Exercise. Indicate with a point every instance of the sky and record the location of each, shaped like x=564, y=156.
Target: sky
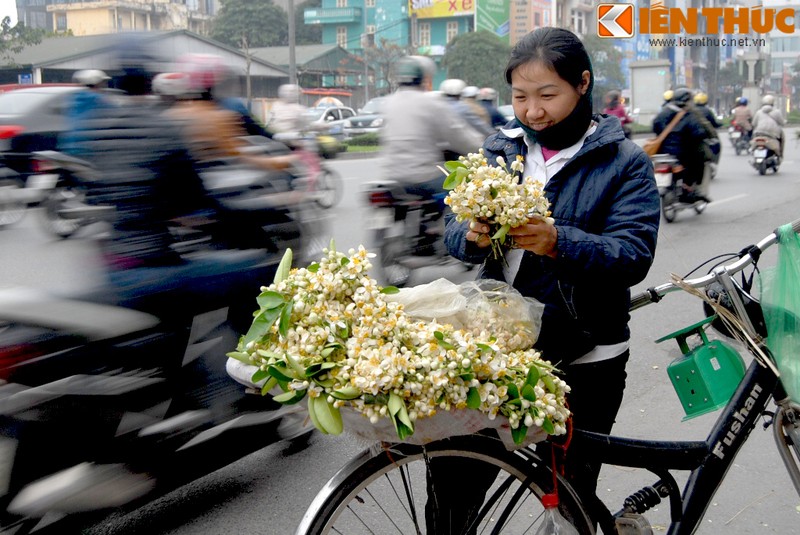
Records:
x=8, y=8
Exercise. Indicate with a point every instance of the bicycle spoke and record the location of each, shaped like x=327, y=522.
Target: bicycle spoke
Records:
x=523, y=488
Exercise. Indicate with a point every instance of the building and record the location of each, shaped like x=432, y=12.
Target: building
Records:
x=96, y=17
x=527, y=15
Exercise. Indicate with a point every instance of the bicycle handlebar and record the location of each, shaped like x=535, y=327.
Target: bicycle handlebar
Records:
x=655, y=293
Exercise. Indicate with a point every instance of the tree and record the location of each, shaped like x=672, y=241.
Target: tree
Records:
x=607, y=67
x=14, y=38
x=306, y=34
x=382, y=58
x=261, y=23
x=730, y=83
x=478, y=58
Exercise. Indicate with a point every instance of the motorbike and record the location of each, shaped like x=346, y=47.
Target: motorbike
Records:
x=739, y=139
x=764, y=155
x=16, y=194
x=406, y=230
x=104, y=407
x=670, y=188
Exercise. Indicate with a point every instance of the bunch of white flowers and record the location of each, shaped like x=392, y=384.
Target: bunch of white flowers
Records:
x=495, y=194
x=327, y=333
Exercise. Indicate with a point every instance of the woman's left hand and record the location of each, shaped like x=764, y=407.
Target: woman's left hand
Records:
x=538, y=236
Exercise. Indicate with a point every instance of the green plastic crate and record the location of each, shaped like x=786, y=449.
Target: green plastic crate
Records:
x=705, y=376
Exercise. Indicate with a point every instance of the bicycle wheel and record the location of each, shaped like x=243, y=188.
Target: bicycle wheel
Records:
x=329, y=188
x=384, y=490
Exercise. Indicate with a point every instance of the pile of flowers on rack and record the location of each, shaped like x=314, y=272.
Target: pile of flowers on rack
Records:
x=330, y=334
x=495, y=194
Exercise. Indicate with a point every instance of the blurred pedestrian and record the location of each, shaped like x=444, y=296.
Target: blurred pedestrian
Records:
x=615, y=108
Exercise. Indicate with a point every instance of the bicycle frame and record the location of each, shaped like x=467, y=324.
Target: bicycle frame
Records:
x=708, y=461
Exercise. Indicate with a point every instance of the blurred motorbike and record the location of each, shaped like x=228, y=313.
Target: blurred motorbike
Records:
x=739, y=139
x=406, y=230
x=103, y=407
x=670, y=189
x=764, y=155
x=312, y=149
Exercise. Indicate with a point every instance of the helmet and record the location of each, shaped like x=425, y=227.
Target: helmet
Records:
x=90, y=77
x=171, y=84
x=204, y=71
x=700, y=98
x=452, y=87
x=682, y=96
x=743, y=101
x=412, y=70
x=768, y=100
x=487, y=93
x=289, y=92
x=668, y=94
x=470, y=92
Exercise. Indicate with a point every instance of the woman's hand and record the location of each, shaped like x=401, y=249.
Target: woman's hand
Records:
x=538, y=236
x=479, y=233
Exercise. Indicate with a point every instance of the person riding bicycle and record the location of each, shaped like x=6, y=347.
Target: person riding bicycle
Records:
x=686, y=142
x=418, y=129
x=743, y=118
x=769, y=122
x=606, y=208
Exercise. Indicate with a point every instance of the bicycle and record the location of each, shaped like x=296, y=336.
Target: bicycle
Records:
x=383, y=489
x=321, y=182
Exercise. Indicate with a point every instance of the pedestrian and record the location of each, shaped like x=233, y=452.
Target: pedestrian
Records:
x=614, y=107
x=606, y=208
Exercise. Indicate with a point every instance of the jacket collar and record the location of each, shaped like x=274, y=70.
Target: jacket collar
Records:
x=608, y=131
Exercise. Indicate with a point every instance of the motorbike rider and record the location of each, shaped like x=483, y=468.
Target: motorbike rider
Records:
x=418, y=129
x=487, y=96
x=452, y=89
x=287, y=114
x=701, y=104
x=769, y=122
x=667, y=96
x=469, y=96
x=743, y=118
x=84, y=102
x=686, y=142
x=614, y=107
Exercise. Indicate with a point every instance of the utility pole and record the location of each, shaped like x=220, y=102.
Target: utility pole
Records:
x=292, y=39
x=365, y=41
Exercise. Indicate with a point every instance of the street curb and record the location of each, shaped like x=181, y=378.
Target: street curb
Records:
x=356, y=155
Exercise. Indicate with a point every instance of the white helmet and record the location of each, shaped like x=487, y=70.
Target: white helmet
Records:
x=289, y=93
x=90, y=77
x=171, y=84
x=487, y=93
x=768, y=100
x=452, y=87
x=469, y=92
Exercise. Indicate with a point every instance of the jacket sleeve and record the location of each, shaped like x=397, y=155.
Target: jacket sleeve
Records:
x=624, y=250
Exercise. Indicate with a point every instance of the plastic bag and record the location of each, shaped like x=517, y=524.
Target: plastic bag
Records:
x=780, y=301
x=485, y=305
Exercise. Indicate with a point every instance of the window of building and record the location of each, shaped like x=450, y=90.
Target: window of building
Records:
x=370, y=3
x=341, y=36
x=340, y=80
x=578, y=21
x=341, y=3
x=424, y=30
x=537, y=20
x=61, y=22
x=546, y=18
x=452, y=30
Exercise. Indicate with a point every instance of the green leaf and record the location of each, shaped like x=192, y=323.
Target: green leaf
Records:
x=397, y=411
x=284, y=375
x=259, y=374
x=270, y=299
x=286, y=317
x=388, y=290
x=513, y=391
x=501, y=232
x=473, y=398
x=313, y=268
x=549, y=383
x=462, y=173
x=261, y=325
x=452, y=165
x=241, y=357
x=347, y=393
x=519, y=433
x=332, y=245
x=548, y=426
x=291, y=397
x=484, y=347
x=284, y=267
x=296, y=366
x=452, y=181
x=319, y=368
x=533, y=376
x=324, y=383
x=467, y=377
x=493, y=193
x=528, y=393
x=328, y=416
x=313, y=415
x=344, y=261
x=438, y=335
x=269, y=385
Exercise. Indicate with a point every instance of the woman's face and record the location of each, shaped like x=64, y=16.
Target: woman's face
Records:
x=540, y=97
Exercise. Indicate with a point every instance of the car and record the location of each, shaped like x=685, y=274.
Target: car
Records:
x=367, y=121
x=507, y=111
x=330, y=119
x=31, y=119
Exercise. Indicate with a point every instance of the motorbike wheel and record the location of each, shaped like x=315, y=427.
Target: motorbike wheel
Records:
x=329, y=187
x=699, y=207
x=53, y=222
x=738, y=149
x=392, y=250
x=668, y=208
x=762, y=168
x=11, y=210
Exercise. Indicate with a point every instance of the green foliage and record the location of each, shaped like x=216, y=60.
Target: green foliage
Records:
x=364, y=140
x=479, y=58
x=381, y=59
x=257, y=23
x=306, y=34
x=15, y=38
x=607, y=66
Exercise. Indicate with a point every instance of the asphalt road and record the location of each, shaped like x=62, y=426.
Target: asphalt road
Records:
x=267, y=492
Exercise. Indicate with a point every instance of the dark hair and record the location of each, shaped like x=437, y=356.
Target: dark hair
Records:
x=559, y=49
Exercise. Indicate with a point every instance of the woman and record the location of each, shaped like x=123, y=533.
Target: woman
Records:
x=614, y=107
x=605, y=205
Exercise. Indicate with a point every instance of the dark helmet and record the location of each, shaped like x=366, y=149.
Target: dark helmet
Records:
x=743, y=101
x=137, y=60
x=412, y=70
x=682, y=96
